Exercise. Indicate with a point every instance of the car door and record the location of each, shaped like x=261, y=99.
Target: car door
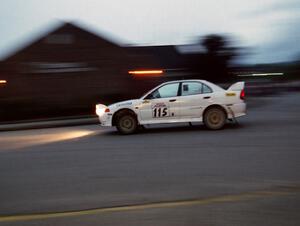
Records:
x=161, y=106
x=195, y=97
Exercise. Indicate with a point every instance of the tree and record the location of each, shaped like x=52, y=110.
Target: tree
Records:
x=217, y=57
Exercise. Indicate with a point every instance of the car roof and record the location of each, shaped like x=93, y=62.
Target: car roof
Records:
x=185, y=80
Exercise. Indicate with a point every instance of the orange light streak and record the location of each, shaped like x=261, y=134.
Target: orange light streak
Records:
x=147, y=72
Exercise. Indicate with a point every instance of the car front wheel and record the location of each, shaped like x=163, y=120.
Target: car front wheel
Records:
x=214, y=118
x=126, y=124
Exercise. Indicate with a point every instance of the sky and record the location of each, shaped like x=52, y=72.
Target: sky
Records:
x=268, y=29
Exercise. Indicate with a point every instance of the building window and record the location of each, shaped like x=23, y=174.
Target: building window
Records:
x=65, y=39
x=58, y=67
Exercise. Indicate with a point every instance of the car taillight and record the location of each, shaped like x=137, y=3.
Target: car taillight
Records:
x=107, y=110
x=242, y=95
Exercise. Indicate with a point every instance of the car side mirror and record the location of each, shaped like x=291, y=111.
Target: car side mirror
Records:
x=149, y=97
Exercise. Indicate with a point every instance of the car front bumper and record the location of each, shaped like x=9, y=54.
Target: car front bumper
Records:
x=105, y=120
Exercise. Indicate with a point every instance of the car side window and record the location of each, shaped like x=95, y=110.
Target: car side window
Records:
x=194, y=88
x=169, y=90
x=191, y=88
x=206, y=89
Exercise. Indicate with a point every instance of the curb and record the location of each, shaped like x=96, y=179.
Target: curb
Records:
x=48, y=124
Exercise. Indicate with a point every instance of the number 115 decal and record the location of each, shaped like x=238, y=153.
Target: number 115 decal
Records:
x=160, y=110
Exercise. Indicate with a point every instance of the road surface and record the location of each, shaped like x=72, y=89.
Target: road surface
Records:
x=246, y=174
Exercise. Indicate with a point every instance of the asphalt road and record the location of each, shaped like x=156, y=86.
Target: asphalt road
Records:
x=246, y=174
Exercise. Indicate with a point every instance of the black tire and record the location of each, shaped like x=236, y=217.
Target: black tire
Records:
x=126, y=123
x=214, y=118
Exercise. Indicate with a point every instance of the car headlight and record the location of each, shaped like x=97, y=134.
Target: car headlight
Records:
x=101, y=109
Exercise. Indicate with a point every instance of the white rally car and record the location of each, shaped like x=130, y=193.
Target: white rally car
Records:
x=174, y=102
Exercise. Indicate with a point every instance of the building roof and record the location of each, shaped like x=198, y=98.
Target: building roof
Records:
x=61, y=34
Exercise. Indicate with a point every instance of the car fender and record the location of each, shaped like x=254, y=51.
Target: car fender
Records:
x=130, y=105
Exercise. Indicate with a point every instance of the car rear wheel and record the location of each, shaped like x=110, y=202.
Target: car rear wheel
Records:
x=126, y=124
x=214, y=118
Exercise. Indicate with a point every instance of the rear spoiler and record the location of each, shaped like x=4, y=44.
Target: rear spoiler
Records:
x=238, y=86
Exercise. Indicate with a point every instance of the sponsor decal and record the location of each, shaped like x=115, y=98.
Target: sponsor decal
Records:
x=230, y=94
x=124, y=104
x=159, y=105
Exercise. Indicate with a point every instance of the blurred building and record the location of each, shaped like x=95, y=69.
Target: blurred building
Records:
x=68, y=70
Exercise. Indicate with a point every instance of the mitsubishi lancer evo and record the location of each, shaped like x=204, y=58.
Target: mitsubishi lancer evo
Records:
x=174, y=102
